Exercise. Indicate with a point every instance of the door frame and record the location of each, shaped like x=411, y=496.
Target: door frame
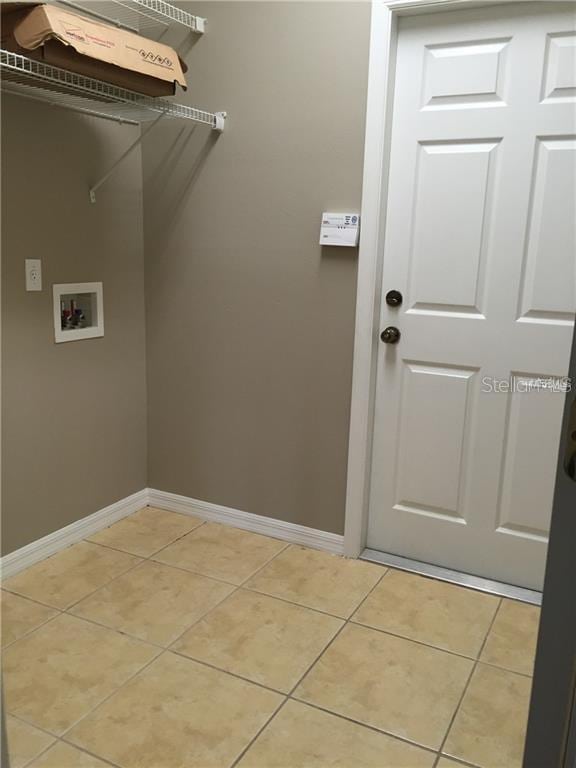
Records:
x=381, y=70
x=551, y=733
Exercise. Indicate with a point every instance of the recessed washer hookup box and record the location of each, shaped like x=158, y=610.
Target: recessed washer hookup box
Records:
x=91, y=48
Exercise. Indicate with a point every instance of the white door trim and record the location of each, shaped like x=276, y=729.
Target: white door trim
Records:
x=385, y=14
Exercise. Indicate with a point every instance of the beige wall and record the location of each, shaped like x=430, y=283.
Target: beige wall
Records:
x=249, y=321
x=74, y=414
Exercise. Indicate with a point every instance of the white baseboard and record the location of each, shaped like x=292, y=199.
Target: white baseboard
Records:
x=48, y=545
x=70, y=534
x=248, y=521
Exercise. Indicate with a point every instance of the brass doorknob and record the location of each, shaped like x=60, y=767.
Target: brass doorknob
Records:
x=390, y=335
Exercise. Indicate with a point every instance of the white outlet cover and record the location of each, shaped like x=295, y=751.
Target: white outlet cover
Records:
x=33, y=274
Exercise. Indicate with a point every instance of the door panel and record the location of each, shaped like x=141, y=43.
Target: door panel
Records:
x=434, y=399
x=466, y=74
x=451, y=176
x=551, y=236
x=560, y=69
x=526, y=494
x=481, y=240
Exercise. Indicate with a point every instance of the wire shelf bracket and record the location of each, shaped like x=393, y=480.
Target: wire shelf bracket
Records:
x=123, y=156
x=42, y=82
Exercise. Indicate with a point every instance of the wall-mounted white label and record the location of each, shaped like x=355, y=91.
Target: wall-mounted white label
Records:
x=340, y=229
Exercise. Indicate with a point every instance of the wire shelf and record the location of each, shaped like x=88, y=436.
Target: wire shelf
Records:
x=37, y=80
x=137, y=15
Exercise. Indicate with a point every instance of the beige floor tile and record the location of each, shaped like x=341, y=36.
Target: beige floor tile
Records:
x=445, y=762
x=318, y=580
x=266, y=640
x=430, y=611
x=58, y=673
x=407, y=689
x=177, y=713
x=224, y=553
x=490, y=726
x=20, y=616
x=512, y=640
x=302, y=737
x=146, y=531
x=153, y=602
x=65, y=578
x=64, y=756
x=24, y=742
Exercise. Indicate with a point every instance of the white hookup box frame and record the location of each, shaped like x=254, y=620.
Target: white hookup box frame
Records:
x=89, y=298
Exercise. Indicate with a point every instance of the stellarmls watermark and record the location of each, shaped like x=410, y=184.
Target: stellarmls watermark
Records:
x=562, y=385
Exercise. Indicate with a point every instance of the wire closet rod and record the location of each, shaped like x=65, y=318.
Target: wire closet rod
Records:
x=44, y=82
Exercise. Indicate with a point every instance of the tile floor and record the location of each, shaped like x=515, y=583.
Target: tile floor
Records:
x=166, y=642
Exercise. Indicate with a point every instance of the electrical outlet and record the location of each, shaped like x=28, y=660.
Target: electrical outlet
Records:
x=33, y=275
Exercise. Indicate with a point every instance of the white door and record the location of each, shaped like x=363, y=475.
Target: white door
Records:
x=480, y=241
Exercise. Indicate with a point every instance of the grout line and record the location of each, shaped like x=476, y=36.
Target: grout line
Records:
x=80, y=749
x=329, y=643
x=393, y=735
x=101, y=587
x=161, y=649
x=168, y=650
x=308, y=669
x=317, y=659
x=255, y=737
x=64, y=734
x=33, y=724
x=31, y=631
x=319, y=610
x=504, y=669
x=141, y=559
x=3, y=588
x=496, y=612
x=458, y=761
x=470, y=676
x=42, y=752
x=421, y=642
x=254, y=591
x=363, y=724
x=33, y=599
x=217, y=578
x=144, y=557
x=337, y=634
x=89, y=594
x=238, y=587
x=56, y=740
x=236, y=675
x=195, y=573
x=118, y=631
x=92, y=754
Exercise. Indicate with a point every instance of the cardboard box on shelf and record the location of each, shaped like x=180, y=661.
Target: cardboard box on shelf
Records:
x=91, y=48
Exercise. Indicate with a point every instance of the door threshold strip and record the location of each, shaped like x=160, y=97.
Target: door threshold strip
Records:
x=454, y=577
